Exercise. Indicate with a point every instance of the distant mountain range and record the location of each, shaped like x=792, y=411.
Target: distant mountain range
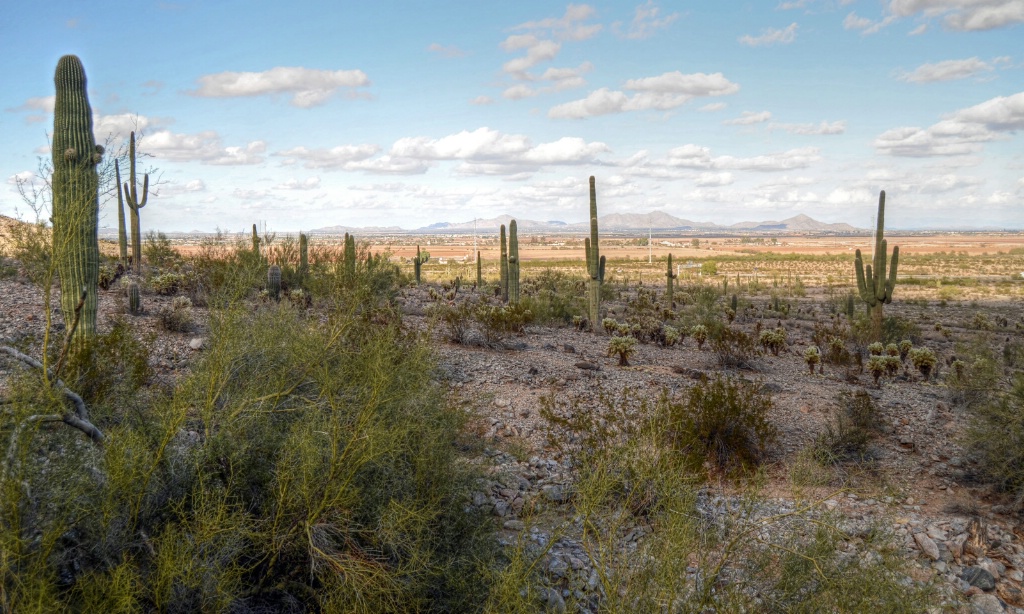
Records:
x=655, y=221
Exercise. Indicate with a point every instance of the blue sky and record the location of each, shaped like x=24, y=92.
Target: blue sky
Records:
x=305, y=114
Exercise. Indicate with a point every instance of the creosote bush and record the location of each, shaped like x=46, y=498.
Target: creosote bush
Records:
x=722, y=420
x=995, y=435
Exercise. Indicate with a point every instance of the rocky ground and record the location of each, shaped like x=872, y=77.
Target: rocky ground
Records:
x=918, y=483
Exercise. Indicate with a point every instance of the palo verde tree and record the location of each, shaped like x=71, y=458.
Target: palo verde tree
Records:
x=875, y=287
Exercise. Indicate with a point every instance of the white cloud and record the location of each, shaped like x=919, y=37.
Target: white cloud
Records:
x=772, y=36
x=963, y=14
x=308, y=87
x=696, y=157
x=938, y=184
x=748, y=118
x=558, y=78
x=647, y=20
x=844, y=196
x=714, y=106
x=664, y=92
x=569, y=26
x=173, y=189
x=921, y=29
x=865, y=25
x=823, y=128
x=204, y=147
x=310, y=183
x=482, y=100
x=962, y=132
x=705, y=180
x=947, y=70
x=341, y=157
x=537, y=51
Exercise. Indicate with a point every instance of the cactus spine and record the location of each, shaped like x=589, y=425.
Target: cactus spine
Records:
x=274, y=281
x=131, y=196
x=75, y=185
x=503, y=270
x=479, y=272
x=875, y=287
x=513, y=263
x=670, y=276
x=134, y=299
x=122, y=234
x=595, y=263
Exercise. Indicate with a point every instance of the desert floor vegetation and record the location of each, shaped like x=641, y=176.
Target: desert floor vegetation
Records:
x=356, y=442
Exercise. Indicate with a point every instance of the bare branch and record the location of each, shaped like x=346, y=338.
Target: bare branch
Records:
x=80, y=418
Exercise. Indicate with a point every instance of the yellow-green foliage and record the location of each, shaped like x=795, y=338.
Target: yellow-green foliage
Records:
x=303, y=464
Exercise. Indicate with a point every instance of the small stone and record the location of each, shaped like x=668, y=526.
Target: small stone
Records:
x=556, y=493
x=502, y=402
x=1016, y=575
x=514, y=525
x=197, y=343
x=588, y=366
x=555, y=601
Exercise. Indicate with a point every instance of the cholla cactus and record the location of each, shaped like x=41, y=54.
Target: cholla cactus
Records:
x=892, y=350
x=812, y=356
x=671, y=335
x=905, y=346
x=924, y=361
x=773, y=340
x=623, y=347
x=609, y=325
x=700, y=335
x=876, y=348
x=876, y=367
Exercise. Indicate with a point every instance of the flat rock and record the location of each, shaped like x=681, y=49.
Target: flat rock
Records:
x=927, y=545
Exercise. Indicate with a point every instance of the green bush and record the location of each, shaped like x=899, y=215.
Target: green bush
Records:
x=177, y=318
x=158, y=251
x=724, y=421
x=732, y=346
x=849, y=431
x=995, y=436
x=975, y=374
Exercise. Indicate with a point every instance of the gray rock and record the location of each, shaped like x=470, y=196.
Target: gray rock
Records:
x=976, y=576
x=927, y=545
x=556, y=493
x=197, y=343
x=984, y=603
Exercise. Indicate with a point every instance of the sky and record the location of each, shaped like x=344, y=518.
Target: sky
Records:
x=300, y=115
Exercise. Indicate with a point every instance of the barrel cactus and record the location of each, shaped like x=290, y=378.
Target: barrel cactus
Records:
x=75, y=186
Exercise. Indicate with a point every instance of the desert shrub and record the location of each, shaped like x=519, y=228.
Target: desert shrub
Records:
x=732, y=346
x=301, y=466
x=982, y=322
x=455, y=318
x=499, y=321
x=995, y=435
x=167, y=284
x=551, y=297
x=849, y=430
x=623, y=347
x=1013, y=354
x=976, y=376
x=722, y=420
x=896, y=329
x=643, y=314
x=111, y=368
x=177, y=318
x=158, y=251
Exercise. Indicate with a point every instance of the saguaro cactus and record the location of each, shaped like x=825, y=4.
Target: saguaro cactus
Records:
x=417, y=264
x=479, y=272
x=350, y=256
x=513, y=263
x=255, y=241
x=134, y=298
x=274, y=281
x=303, y=256
x=122, y=234
x=75, y=185
x=875, y=287
x=595, y=264
x=131, y=196
x=503, y=265
x=670, y=277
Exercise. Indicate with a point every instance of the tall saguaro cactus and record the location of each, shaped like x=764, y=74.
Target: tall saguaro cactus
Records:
x=255, y=241
x=131, y=196
x=122, y=234
x=303, y=256
x=874, y=285
x=503, y=266
x=479, y=272
x=417, y=264
x=670, y=276
x=75, y=185
x=513, y=263
x=350, y=256
x=595, y=263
